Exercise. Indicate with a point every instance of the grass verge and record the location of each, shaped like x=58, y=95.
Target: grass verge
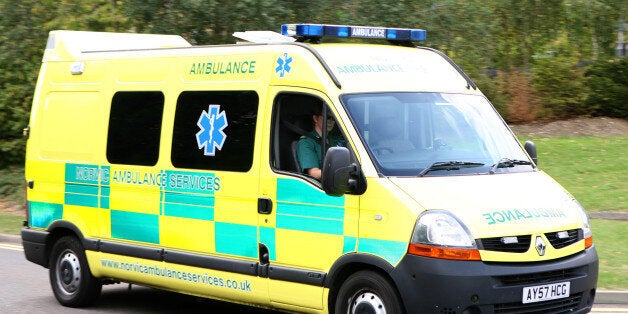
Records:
x=11, y=193
x=610, y=238
x=592, y=169
x=10, y=223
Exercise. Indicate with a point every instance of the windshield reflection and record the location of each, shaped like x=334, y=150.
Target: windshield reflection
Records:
x=407, y=133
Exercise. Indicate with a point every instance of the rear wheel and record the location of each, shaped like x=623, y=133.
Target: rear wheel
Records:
x=367, y=292
x=71, y=280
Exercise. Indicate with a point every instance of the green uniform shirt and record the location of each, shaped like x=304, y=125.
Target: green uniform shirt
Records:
x=309, y=152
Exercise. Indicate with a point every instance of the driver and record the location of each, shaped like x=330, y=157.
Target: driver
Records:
x=309, y=151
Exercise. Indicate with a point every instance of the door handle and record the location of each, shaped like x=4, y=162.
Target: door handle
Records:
x=264, y=262
x=264, y=205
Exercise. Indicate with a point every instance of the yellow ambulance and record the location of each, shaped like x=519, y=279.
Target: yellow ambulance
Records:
x=155, y=162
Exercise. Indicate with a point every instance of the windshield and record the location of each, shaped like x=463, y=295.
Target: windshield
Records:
x=434, y=134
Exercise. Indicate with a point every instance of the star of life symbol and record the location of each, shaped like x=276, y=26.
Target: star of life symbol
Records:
x=283, y=65
x=211, y=136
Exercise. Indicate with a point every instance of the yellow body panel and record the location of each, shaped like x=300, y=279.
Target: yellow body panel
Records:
x=187, y=234
x=50, y=189
x=308, y=297
x=134, y=199
x=299, y=249
x=61, y=109
x=84, y=219
x=201, y=282
x=92, y=78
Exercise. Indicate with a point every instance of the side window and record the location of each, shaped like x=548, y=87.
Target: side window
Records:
x=293, y=122
x=135, y=128
x=215, y=130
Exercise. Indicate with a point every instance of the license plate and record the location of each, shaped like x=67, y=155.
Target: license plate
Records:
x=545, y=292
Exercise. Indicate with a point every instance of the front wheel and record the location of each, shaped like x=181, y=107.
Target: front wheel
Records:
x=367, y=292
x=71, y=280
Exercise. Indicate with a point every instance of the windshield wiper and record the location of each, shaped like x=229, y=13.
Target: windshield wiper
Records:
x=507, y=162
x=449, y=165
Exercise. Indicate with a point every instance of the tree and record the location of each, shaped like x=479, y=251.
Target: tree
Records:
x=523, y=27
x=21, y=47
x=461, y=29
x=205, y=22
x=23, y=36
x=591, y=26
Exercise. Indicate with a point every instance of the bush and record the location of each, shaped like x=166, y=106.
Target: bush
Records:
x=558, y=83
x=515, y=88
x=608, y=87
x=12, y=184
x=14, y=114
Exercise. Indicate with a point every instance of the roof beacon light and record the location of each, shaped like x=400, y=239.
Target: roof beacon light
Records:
x=316, y=31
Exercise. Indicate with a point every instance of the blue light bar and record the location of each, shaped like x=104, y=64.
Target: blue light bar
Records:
x=322, y=30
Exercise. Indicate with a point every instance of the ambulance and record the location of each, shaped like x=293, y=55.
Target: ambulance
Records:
x=155, y=162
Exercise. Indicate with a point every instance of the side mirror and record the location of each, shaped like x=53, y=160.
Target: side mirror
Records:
x=530, y=148
x=340, y=175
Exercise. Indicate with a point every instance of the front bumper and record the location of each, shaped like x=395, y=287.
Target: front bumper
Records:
x=429, y=285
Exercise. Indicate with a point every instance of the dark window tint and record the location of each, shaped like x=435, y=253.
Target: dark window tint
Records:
x=215, y=130
x=292, y=121
x=135, y=128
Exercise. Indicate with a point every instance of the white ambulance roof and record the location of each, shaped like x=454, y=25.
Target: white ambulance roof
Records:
x=69, y=45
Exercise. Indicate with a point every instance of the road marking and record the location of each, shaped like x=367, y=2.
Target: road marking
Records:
x=11, y=247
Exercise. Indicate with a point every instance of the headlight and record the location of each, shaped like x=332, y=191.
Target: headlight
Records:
x=441, y=228
x=441, y=235
x=588, y=236
x=583, y=214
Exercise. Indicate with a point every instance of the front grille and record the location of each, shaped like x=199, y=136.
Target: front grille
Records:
x=575, y=235
x=523, y=241
x=567, y=305
x=496, y=244
x=540, y=278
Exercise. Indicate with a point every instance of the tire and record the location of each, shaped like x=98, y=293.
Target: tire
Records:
x=71, y=280
x=367, y=292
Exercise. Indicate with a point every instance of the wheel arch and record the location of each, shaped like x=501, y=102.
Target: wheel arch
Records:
x=59, y=229
x=350, y=264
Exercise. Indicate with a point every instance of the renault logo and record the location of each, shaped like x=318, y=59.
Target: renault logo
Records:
x=540, y=246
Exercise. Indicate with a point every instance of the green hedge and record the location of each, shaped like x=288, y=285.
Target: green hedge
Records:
x=608, y=87
x=558, y=84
